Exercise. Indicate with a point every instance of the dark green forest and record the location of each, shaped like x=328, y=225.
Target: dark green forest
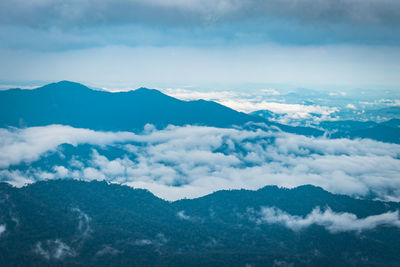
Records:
x=76, y=223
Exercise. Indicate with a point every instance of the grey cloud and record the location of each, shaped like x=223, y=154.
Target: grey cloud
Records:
x=49, y=13
x=50, y=25
x=369, y=11
x=193, y=161
x=332, y=221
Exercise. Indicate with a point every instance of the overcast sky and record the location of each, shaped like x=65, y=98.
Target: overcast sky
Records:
x=169, y=43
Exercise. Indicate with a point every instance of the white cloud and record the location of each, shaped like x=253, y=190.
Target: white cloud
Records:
x=181, y=215
x=193, y=161
x=332, y=221
x=185, y=94
x=387, y=102
x=337, y=93
x=16, y=177
x=143, y=242
x=269, y=92
x=2, y=229
x=54, y=249
x=26, y=145
x=8, y=86
x=394, y=103
x=107, y=250
x=296, y=110
x=84, y=228
x=61, y=171
x=247, y=102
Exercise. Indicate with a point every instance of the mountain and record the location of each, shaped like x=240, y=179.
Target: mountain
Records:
x=381, y=114
x=392, y=123
x=347, y=126
x=76, y=223
x=76, y=105
x=380, y=133
x=387, y=131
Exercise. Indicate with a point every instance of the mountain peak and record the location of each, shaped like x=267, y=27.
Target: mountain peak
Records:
x=64, y=85
x=144, y=90
x=76, y=105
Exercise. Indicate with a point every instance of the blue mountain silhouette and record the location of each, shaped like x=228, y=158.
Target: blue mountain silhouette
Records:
x=76, y=105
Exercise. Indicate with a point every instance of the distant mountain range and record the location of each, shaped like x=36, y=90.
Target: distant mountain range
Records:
x=75, y=223
x=386, y=131
x=76, y=105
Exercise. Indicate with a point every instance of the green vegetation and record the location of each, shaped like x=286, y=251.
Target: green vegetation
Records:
x=76, y=223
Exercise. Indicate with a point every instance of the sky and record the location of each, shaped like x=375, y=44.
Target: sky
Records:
x=219, y=45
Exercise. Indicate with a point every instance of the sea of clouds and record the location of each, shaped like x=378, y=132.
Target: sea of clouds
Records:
x=193, y=161
x=264, y=99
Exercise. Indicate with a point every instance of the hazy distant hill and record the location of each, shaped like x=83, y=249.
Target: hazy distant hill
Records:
x=84, y=224
x=386, y=131
x=76, y=105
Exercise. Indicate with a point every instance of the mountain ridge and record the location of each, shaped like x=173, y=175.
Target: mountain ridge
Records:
x=122, y=111
x=78, y=223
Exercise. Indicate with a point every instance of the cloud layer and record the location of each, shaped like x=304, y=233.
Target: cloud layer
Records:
x=332, y=221
x=75, y=24
x=264, y=99
x=46, y=12
x=194, y=161
x=28, y=145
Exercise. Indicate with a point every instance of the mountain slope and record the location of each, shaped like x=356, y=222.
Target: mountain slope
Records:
x=387, y=131
x=75, y=223
x=78, y=106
